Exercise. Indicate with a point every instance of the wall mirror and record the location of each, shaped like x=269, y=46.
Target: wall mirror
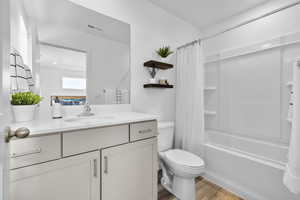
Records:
x=74, y=53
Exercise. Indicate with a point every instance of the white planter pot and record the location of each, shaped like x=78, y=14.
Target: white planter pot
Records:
x=165, y=60
x=24, y=113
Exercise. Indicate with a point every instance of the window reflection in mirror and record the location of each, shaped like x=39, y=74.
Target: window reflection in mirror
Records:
x=67, y=69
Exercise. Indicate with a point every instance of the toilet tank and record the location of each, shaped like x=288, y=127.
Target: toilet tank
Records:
x=165, y=136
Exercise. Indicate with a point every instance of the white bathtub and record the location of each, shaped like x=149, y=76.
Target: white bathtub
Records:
x=250, y=168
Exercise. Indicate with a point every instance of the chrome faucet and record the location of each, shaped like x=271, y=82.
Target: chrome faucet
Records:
x=87, y=110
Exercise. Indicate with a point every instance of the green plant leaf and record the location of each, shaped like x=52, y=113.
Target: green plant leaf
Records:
x=25, y=98
x=164, y=51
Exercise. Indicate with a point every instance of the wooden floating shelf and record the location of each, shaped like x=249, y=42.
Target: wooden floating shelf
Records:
x=150, y=85
x=158, y=65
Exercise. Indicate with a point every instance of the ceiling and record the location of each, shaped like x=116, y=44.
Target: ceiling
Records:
x=63, y=14
x=204, y=13
x=51, y=56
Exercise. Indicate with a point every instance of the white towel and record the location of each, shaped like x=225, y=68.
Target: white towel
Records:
x=21, y=77
x=122, y=96
x=118, y=96
x=292, y=174
x=125, y=96
x=109, y=96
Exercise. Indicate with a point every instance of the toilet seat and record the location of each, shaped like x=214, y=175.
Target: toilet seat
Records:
x=184, y=159
x=182, y=163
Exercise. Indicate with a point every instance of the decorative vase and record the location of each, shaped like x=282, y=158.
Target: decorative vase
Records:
x=24, y=113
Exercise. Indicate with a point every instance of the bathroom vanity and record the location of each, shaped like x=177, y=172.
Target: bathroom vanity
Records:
x=85, y=58
x=101, y=157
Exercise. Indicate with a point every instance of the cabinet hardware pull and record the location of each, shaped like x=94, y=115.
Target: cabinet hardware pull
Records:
x=95, y=168
x=19, y=133
x=105, y=165
x=145, y=131
x=17, y=155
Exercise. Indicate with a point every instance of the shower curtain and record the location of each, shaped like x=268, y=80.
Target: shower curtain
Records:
x=292, y=173
x=189, y=123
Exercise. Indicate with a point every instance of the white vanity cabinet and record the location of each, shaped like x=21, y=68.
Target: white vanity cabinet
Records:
x=73, y=178
x=30, y=151
x=108, y=163
x=143, y=130
x=129, y=172
x=76, y=142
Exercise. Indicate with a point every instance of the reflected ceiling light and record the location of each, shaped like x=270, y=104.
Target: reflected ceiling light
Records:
x=94, y=27
x=54, y=63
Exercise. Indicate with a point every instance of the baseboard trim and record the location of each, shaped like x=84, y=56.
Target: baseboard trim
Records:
x=233, y=187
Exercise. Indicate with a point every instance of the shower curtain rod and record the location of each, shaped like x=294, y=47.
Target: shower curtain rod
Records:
x=241, y=24
x=190, y=43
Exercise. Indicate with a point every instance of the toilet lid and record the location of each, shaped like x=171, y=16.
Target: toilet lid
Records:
x=184, y=158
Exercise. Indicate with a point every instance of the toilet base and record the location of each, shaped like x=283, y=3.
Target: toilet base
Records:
x=181, y=188
x=184, y=188
x=179, y=181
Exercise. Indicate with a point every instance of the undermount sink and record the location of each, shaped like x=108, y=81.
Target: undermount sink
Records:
x=90, y=119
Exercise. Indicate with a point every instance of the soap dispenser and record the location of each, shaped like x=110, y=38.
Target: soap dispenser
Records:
x=56, y=109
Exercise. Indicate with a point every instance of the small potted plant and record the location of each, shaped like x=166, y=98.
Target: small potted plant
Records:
x=24, y=105
x=164, y=52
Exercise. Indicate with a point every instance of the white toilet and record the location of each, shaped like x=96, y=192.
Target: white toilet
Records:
x=180, y=168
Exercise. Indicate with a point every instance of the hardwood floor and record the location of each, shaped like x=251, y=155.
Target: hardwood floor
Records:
x=205, y=191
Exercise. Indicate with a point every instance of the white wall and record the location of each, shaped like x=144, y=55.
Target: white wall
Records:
x=19, y=30
x=263, y=29
x=151, y=27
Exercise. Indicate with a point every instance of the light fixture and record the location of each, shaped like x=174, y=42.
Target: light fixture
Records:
x=54, y=63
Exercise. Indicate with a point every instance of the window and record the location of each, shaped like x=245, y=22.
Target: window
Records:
x=73, y=83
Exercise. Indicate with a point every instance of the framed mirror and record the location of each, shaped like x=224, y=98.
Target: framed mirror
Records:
x=75, y=54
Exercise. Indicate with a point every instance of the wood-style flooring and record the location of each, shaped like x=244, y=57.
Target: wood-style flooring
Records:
x=205, y=191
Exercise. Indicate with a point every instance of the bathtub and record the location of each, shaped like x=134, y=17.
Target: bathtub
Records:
x=250, y=168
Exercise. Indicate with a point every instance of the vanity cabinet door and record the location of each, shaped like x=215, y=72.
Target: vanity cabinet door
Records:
x=129, y=172
x=73, y=178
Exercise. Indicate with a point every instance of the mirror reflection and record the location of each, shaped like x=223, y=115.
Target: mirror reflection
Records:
x=73, y=53
x=67, y=69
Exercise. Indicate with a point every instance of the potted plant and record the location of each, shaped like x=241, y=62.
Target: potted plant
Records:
x=164, y=52
x=24, y=105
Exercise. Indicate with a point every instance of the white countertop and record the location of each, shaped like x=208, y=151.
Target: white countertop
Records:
x=45, y=127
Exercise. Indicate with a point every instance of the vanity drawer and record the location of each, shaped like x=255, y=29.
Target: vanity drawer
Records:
x=81, y=141
x=143, y=130
x=29, y=151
